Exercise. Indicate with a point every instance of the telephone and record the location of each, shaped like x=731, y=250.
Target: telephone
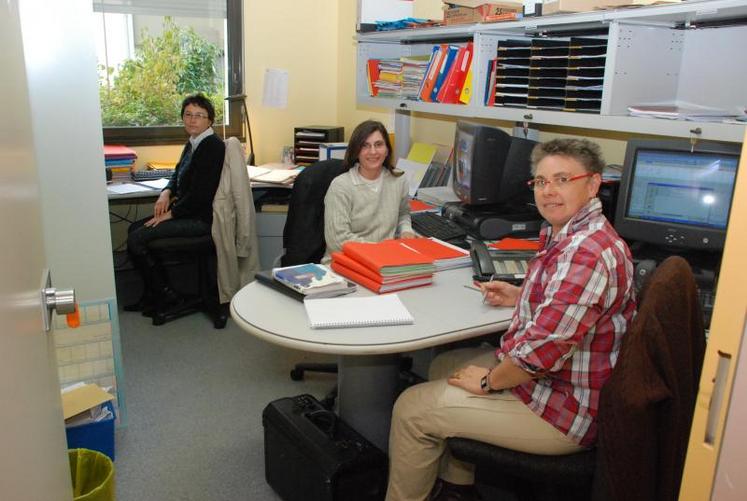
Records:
x=511, y=266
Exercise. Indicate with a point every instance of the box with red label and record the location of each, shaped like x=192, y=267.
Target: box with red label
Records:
x=466, y=12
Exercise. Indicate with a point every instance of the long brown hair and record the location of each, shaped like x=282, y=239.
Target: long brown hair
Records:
x=358, y=139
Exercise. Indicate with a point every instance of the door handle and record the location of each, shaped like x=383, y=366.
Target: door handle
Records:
x=61, y=301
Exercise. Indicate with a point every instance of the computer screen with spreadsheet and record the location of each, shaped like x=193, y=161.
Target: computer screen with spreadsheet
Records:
x=674, y=196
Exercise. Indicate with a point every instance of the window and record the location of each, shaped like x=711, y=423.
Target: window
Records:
x=152, y=53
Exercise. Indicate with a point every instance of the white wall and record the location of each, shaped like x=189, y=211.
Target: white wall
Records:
x=61, y=65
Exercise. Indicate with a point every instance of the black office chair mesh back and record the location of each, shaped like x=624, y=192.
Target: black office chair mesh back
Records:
x=303, y=234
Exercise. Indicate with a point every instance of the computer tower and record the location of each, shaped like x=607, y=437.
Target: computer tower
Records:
x=312, y=455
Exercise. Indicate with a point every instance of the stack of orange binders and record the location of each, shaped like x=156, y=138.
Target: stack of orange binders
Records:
x=386, y=266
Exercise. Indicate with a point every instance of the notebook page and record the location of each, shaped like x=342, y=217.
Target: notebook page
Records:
x=370, y=311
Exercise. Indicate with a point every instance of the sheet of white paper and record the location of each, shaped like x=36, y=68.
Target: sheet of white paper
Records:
x=255, y=172
x=157, y=184
x=275, y=93
x=124, y=188
x=414, y=172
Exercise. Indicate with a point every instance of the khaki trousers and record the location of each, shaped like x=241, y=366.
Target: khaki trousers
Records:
x=428, y=413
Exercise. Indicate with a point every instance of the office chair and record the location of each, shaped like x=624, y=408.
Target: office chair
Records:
x=645, y=410
x=303, y=236
x=236, y=253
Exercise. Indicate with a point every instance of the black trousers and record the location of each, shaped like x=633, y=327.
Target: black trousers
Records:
x=139, y=235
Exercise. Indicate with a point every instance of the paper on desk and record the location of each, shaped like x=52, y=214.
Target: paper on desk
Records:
x=255, y=172
x=157, y=184
x=414, y=171
x=125, y=188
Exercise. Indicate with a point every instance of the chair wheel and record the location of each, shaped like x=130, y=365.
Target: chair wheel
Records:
x=296, y=374
x=159, y=319
x=220, y=322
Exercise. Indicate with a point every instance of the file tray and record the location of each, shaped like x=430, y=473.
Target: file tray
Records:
x=312, y=455
x=97, y=436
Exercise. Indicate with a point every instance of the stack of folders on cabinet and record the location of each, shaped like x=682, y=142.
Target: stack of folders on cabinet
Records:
x=444, y=76
x=549, y=74
x=306, y=281
x=385, y=266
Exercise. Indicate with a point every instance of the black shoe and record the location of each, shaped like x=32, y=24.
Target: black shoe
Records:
x=446, y=491
x=143, y=304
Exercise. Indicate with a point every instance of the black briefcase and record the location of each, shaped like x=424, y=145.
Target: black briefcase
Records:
x=312, y=455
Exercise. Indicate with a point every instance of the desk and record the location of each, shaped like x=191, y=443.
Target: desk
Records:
x=369, y=362
x=269, y=225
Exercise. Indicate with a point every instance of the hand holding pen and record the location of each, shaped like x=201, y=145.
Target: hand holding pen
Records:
x=498, y=293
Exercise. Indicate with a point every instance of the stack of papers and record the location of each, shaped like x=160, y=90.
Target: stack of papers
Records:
x=273, y=173
x=682, y=112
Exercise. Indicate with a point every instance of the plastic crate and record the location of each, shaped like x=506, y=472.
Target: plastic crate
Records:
x=98, y=436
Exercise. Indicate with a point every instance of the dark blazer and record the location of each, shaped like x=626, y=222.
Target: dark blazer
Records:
x=303, y=235
x=647, y=404
x=195, y=191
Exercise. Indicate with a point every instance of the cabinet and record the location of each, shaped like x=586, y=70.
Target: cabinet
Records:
x=306, y=141
x=687, y=53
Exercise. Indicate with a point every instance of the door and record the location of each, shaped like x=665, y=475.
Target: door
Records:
x=33, y=465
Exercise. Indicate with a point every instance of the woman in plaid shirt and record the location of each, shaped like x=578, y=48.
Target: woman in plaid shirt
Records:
x=539, y=391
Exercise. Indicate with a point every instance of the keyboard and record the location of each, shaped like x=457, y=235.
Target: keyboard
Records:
x=430, y=224
x=150, y=174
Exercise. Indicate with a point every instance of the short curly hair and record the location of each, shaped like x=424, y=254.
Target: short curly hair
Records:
x=586, y=152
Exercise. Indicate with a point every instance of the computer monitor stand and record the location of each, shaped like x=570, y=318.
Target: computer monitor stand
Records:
x=491, y=222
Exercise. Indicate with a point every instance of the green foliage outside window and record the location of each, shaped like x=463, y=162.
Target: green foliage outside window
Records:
x=149, y=89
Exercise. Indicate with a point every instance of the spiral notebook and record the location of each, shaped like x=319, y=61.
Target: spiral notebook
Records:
x=370, y=311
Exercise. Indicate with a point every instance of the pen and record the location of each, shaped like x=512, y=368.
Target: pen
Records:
x=485, y=292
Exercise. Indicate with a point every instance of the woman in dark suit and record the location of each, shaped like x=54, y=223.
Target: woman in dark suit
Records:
x=185, y=206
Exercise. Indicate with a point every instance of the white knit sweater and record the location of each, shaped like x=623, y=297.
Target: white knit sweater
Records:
x=354, y=210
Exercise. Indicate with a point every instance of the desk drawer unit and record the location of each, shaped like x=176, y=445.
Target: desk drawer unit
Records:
x=312, y=455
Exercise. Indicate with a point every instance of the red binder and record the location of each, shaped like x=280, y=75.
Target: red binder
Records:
x=455, y=81
x=434, y=249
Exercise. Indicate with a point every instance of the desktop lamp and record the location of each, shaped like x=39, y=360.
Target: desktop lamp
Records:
x=245, y=115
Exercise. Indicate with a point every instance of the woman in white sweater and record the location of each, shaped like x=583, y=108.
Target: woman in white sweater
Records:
x=369, y=202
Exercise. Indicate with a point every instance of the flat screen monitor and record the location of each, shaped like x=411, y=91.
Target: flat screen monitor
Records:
x=490, y=167
x=675, y=196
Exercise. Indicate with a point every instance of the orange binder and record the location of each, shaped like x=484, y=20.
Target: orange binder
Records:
x=432, y=75
x=389, y=257
x=453, y=87
x=352, y=264
x=434, y=249
x=516, y=244
x=378, y=287
x=372, y=72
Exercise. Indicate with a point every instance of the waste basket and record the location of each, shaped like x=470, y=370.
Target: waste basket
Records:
x=93, y=475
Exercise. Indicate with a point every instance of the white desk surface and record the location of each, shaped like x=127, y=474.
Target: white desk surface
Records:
x=444, y=312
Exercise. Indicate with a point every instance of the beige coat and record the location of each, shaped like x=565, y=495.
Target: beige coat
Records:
x=234, y=227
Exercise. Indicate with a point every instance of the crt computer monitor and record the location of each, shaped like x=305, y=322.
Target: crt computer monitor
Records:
x=490, y=167
x=674, y=197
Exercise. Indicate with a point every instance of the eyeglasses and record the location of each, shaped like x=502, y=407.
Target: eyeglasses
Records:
x=540, y=183
x=199, y=116
x=378, y=145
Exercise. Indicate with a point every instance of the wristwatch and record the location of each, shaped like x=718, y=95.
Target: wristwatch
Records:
x=485, y=383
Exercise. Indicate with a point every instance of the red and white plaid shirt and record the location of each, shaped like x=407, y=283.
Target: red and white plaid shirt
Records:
x=575, y=305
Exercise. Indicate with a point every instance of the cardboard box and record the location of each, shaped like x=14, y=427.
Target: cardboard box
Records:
x=82, y=397
x=456, y=13
x=566, y=6
x=97, y=436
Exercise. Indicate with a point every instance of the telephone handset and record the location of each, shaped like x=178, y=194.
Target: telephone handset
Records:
x=513, y=270
x=482, y=263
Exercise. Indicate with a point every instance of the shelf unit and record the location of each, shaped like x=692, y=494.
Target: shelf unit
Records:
x=689, y=52
x=306, y=141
